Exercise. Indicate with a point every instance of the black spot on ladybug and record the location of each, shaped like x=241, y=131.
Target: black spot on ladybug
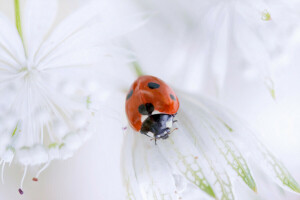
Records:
x=129, y=94
x=152, y=85
x=172, y=97
x=146, y=109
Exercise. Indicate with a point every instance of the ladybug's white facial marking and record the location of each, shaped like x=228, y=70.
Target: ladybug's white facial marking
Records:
x=144, y=117
x=150, y=134
x=169, y=123
x=157, y=126
x=155, y=112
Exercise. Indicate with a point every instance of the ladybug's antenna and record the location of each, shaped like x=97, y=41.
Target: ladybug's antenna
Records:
x=172, y=131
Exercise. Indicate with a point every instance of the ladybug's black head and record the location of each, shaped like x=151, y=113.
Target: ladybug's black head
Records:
x=158, y=126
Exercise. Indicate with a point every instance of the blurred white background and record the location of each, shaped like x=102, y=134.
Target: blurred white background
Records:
x=226, y=50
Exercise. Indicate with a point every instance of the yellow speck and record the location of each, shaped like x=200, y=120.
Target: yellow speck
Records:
x=270, y=86
x=255, y=190
x=266, y=16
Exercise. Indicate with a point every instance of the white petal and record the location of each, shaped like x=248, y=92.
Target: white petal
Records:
x=11, y=48
x=76, y=40
x=129, y=176
x=236, y=137
x=36, y=21
x=188, y=161
x=204, y=161
x=8, y=155
x=217, y=136
x=153, y=175
x=219, y=53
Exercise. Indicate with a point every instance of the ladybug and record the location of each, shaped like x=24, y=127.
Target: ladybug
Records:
x=151, y=106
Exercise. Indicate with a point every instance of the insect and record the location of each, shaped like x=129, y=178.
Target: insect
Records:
x=151, y=106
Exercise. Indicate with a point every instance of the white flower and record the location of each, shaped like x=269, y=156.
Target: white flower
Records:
x=202, y=159
x=202, y=44
x=49, y=78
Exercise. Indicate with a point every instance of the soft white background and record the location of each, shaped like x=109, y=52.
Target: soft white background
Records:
x=94, y=172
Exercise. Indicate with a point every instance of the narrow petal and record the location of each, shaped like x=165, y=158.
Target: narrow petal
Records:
x=151, y=171
x=186, y=161
x=76, y=40
x=214, y=133
x=191, y=160
x=37, y=19
x=238, y=130
x=274, y=168
x=11, y=48
x=129, y=177
x=218, y=55
x=218, y=175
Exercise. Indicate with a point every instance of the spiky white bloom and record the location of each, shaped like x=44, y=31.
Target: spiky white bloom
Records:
x=49, y=71
x=202, y=44
x=208, y=152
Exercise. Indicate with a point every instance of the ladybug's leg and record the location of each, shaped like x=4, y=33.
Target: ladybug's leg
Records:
x=163, y=133
x=154, y=140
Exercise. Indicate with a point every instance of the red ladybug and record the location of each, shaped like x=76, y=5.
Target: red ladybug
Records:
x=151, y=106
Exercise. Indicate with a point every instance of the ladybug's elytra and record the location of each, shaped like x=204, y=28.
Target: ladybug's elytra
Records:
x=151, y=106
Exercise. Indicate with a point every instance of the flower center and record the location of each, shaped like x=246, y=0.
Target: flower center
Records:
x=29, y=72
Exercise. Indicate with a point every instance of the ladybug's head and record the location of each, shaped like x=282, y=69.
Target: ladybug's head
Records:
x=158, y=126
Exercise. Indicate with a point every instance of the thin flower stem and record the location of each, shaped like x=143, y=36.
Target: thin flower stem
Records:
x=15, y=130
x=18, y=21
x=137, y=69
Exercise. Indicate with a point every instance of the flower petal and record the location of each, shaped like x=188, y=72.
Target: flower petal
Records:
x=240, y=131
x=222, y=184
x=214, y=131
x=218, y=55
x=76, y=40
x=11, y=47
x=149, y=170
x=182, y=155
x=195, y=164
x=274, y=168
x=37, y=19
